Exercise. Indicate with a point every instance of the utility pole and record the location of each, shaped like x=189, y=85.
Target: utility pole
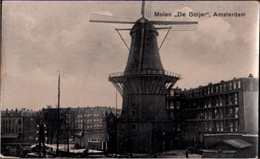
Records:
x=116, y=104
x=57, y=151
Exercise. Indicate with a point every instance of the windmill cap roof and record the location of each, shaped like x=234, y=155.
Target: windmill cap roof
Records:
x=143, y=22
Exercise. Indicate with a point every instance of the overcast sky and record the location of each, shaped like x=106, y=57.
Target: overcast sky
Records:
x=41, y=38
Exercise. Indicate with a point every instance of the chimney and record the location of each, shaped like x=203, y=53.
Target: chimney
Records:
x=250, y=75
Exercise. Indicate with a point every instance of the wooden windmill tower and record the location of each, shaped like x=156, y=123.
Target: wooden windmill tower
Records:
x=144, y=125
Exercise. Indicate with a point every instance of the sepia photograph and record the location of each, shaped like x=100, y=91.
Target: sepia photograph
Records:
x=129, y=79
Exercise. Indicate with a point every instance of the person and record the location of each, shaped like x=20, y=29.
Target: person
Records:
x=187, y=153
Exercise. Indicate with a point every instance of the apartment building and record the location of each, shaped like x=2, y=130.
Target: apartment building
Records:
x=224, y=107
x=18, y=129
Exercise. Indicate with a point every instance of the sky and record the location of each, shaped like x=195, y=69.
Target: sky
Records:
x=42, y=38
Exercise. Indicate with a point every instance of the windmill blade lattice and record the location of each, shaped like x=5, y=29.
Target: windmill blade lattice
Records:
x=191, y=27
x=110, y=19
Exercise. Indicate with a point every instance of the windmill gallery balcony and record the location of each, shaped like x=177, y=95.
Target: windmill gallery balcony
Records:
x=143, y=81
x=144, y=72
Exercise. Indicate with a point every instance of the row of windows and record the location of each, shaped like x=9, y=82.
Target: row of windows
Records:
x=217, y=126
x=94, y=126
x=174, y=92
x=231, y=99
x=12, y=130
x=232, y=112
x=12, y=121
x=174, y=105
x=214, y=89
x=87, y=120
x=94, y=140
x=81, y=115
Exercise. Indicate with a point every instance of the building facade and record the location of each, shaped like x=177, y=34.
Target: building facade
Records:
x=224, y=107
x=18, y=130
x=86, y=126
x=176, y=109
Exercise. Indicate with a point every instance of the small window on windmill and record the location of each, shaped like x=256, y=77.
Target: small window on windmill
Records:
x=133, y=127
x=133, y=113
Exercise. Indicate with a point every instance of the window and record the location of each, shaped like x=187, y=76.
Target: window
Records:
x=217, y=126
x=93, y=140
x=236, y=98
x=210, y=127
x=221, y=126
x=171, y=105
x=224, y=87
x=206, y=126
x=236, y=112
x=211, y=89
x=238, y=84
x=220, y=101
x=236, y=126
x=171, y=92
x=231, y=126
x=234, y=85
x=172, y=115
x=230, y=86
x=220, y=88
x=178, y=105
x=178, y=93
x=217, y=89
x=206, y=104
x=179, y=127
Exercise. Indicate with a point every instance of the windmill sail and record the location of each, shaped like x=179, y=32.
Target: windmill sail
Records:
x=98, y=18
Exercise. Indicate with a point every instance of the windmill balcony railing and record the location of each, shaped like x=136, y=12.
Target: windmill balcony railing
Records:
x=145, y=72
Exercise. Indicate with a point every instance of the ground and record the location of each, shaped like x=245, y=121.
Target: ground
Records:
x=169, y=154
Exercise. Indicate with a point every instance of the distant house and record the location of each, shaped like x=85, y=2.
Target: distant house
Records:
x=18, y=130
x=92, y=124
x=86, y=126
x=111, y=121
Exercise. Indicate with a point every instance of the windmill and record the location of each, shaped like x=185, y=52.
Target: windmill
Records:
x=144, y=125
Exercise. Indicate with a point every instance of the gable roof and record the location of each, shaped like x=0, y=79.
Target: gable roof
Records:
x=237, y=143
